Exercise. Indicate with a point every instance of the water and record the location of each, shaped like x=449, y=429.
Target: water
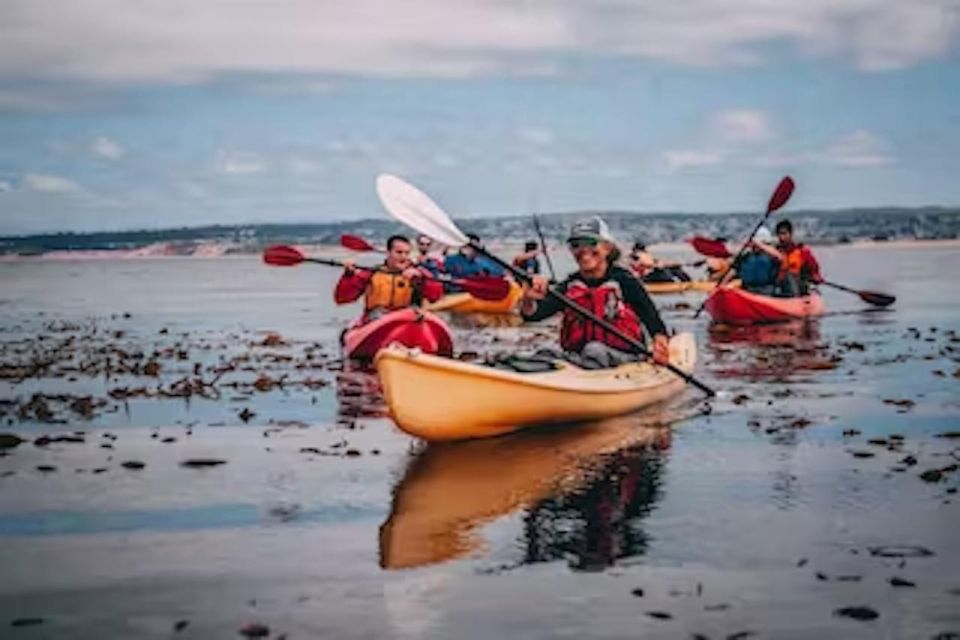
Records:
x=755, y=516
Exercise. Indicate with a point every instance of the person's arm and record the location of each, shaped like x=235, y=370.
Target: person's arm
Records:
x=812, y=266
x=351, y=286
x=639, y=300
x=770, y=251
x=534, y=310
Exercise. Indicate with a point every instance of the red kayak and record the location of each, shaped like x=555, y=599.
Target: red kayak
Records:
x=737, y=306
x=410, y=327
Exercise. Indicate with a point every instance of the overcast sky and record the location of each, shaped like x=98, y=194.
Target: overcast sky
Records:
x=130, y=114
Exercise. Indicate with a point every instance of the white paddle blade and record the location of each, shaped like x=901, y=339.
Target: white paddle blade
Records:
x=414, y=208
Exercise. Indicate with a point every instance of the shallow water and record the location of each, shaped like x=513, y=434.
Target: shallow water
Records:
x=749, y=513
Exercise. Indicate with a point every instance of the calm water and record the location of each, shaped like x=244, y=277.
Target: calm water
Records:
x=752, y=513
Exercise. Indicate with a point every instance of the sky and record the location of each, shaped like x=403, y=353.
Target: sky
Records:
x=129, y=114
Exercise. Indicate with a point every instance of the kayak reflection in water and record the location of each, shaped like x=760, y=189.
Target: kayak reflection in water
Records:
x=584, y=505
x=606, y=289
x=398, y=285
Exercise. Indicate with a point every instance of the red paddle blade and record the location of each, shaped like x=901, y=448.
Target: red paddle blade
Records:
x=877, y=299
x=780, y=196
x=485, y=287
x=710, y=248
x=356, y=243
x=282, y=256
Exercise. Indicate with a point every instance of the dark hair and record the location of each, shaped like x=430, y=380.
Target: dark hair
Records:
x=473, y=238
x=396, y=238
x=530, y=245
x=639, y=246
x=784, y=225
x=423, y=237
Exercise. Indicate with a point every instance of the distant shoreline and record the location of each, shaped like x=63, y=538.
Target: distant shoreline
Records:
x=211, y=252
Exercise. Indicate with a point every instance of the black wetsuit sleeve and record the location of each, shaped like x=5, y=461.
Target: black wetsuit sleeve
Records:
x=639, y=300
x=548, y=306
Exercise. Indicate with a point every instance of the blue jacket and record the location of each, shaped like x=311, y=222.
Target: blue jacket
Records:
x=758, y=270
x=459, y=266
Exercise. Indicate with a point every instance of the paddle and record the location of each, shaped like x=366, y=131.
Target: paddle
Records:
x=875, y=298
x=543, y=243
x=480, y=287
x=716, y=249
x=356, y=243
x=779, y=198
x=411, y=206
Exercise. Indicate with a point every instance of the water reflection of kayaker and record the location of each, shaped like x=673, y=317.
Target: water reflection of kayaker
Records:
x=798, y=267
x=607, y=476
x=607, y=290
x=399, y=284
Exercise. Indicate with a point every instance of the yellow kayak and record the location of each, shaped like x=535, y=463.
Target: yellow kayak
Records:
x=450, y=491
x=681, y=287
x=466, y=303
x=439, y=399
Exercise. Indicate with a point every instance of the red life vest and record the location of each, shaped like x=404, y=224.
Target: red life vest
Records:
x=606, y=302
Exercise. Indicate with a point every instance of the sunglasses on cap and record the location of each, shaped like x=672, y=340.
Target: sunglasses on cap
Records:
x=577, y=243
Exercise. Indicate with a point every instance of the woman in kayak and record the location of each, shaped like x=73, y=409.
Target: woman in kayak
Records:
x=650, y=269
x=604, y=288
x=798, y=267
x=396, y=285
x=757, y=269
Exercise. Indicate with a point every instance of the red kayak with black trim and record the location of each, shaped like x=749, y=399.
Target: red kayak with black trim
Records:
x=411, y=327
x=728, y=305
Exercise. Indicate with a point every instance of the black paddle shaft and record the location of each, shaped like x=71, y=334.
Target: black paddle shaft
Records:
x=543, y=244
x=606, y=326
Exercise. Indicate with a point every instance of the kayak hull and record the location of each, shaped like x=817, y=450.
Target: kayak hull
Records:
x=738, y=307
x=466, y=303
x=480, y=401
x=656, y=288
x=413, y=328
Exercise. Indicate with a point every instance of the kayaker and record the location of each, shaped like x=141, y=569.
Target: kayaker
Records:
x=756, y=269
x=798, y=266
x=426, y=258
x=396, y=285
x=468, y=263
x=650, y=269
x=528, y=260
x=604, y=288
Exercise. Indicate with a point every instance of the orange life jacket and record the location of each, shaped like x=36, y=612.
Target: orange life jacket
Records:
x=388, y=291
x=605, y=301
x=793, y=261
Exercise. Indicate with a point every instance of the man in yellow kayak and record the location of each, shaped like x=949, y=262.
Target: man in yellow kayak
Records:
x=607, y=290
x=399, y=284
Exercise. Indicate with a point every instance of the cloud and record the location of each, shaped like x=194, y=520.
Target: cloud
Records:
x=187, y=41
x=49, y=183
x=743, y=125
x=858, y=149
x=240, y=163
x=5, y=187
x=680, y=159
x=107, y=148
x=536, y=135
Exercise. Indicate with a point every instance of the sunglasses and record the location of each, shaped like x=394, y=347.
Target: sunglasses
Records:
x=579, y=243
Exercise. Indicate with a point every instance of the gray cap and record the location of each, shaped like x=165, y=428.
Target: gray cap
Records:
x=592, y=227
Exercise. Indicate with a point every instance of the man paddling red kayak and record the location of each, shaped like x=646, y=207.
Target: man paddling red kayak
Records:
x=398, y=285
x=798, y=267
